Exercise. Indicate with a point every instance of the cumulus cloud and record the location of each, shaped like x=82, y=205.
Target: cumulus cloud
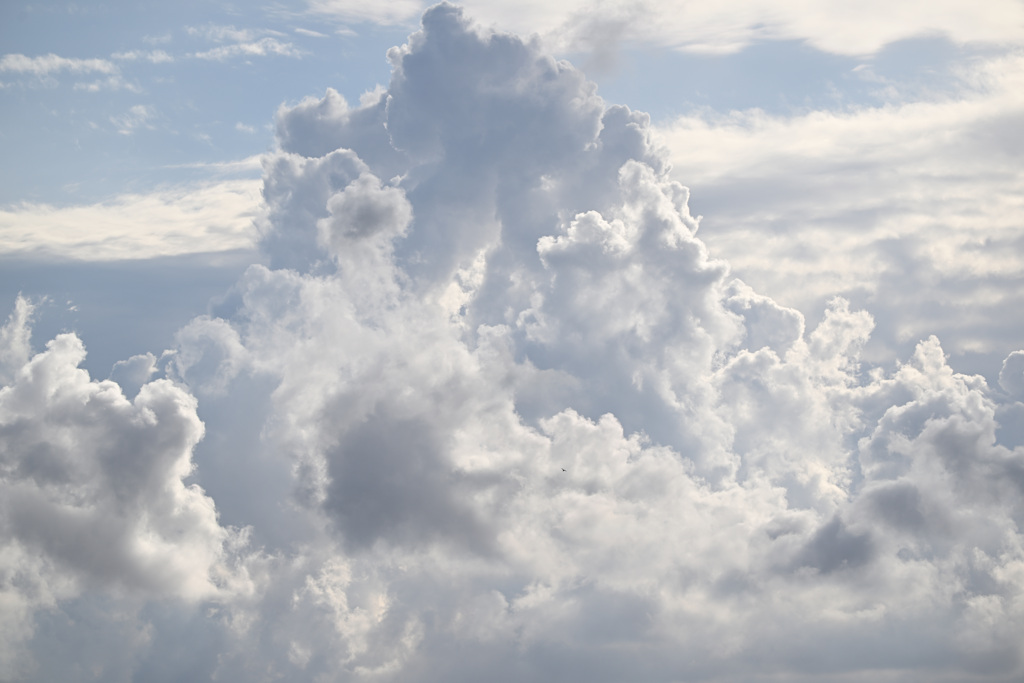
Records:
x=94, y=496
x=494, y=410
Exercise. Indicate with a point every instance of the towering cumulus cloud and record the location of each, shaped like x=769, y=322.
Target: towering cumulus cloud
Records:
x=492, y=412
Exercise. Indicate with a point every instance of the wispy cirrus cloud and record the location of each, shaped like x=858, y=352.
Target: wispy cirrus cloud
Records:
x=310, y=33
x=111, y=83
x=238, y=42
x=46, y=69
x=151, y=56
x=139, y=116
x=257, y=48
x=45, y=65
x=388, y=12
x=220, y=33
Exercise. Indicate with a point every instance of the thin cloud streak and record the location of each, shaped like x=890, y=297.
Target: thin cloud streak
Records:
x=45, y=65
x=258, y=48
x=205, y=218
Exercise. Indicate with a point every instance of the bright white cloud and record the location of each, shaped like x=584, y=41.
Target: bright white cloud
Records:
x=566, y=425
x=184, y=220
x=495, y=411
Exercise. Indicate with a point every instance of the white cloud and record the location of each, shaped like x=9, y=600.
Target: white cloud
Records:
x=309, y=33
x=44, y=65
x=183, y=220
x=494, y=410
x=389, y=12
x=111, y=83
x=1011, y=375
x=250, y=166
x=831, y=26
x=94, y=496
x=222, y=34
x=163, y=39
x=152, y=56
x=15, y=346
x=542, y=422
x=241, y=43
x=258, y=48
x=135, y=118
x=45, y=68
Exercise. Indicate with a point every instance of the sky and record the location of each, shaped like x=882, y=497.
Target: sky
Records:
x=609, y=341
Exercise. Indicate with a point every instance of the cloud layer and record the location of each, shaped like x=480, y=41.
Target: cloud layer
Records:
x=910, y=208
x=831, y=25
x=215, y=216
x=491, y=409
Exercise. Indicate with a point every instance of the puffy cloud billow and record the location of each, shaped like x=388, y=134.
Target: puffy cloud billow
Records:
x=93, y=491
x=490, y=410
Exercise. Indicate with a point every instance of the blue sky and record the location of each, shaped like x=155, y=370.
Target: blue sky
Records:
x=611, y=340
x=158, y=108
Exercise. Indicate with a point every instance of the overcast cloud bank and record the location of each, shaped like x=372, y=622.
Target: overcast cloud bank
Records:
x=492, y=409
